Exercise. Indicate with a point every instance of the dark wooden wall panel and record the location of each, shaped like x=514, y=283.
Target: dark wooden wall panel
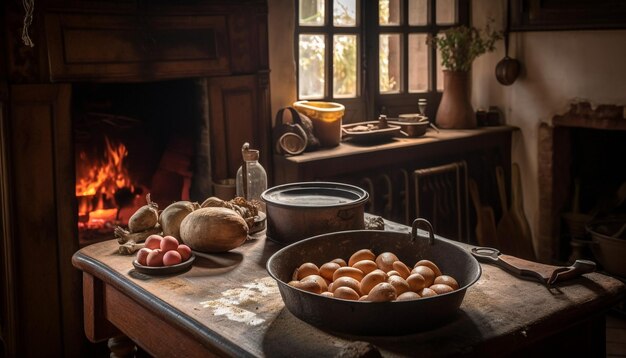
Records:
x=233, y=103
x=44, y=241
x=130, y=47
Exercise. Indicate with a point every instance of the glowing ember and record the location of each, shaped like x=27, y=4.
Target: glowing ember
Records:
x=99, y=218
x=106, y=176
x=97, y=181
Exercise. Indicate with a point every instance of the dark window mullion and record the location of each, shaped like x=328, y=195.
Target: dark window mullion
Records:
x=404, y=76
x=432, y=52
x=328, y=53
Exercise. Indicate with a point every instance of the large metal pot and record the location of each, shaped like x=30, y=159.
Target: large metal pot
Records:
x=299, y=210
x=374, y=318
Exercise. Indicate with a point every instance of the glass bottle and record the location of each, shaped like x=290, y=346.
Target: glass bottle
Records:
x=256, y=182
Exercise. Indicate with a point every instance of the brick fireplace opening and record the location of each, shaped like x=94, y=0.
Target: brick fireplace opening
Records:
x=581, y=176
x=135, y=139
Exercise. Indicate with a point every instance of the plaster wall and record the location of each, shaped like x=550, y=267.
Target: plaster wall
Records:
x=558, y=67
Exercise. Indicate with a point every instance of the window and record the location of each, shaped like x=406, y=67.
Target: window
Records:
x=372, y=55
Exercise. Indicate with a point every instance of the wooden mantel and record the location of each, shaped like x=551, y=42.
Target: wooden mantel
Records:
x=584, y=115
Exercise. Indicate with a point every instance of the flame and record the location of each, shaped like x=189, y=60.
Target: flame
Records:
x=102, y=178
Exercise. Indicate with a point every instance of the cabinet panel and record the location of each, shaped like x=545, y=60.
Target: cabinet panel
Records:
x=135, y=47
x=234, y=119
x=43, y=226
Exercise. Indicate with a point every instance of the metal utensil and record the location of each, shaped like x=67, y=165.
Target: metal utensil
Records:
x=546, y=274
x=508, y=68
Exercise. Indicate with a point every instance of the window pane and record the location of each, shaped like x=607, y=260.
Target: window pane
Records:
x=439, y=72
x=389, y=63
x=418, y=63
x=311, y=12
x=418, y=12
x=311, y=66
x=344, y=13
x=345, y=66
x=446, y=12
x=388, y=12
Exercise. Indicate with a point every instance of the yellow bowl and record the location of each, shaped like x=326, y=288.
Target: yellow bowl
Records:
x=326, y=111
x=326, y=118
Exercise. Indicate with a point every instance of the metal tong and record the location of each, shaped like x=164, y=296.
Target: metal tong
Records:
x=546, y=274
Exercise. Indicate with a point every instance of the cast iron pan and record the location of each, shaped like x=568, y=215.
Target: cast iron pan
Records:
x=374, y=318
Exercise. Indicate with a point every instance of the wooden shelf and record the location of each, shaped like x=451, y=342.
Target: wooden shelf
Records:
x=350, y=158
x=387, y=170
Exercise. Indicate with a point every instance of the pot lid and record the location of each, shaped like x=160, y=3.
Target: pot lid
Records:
x=315, y=194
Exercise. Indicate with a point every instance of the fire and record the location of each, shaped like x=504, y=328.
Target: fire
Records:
x=102, y=178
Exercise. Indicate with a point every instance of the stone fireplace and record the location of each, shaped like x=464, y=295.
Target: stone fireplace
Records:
x=155, y=97
x=581, y=173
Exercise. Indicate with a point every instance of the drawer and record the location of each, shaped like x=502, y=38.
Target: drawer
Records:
x=134, y=47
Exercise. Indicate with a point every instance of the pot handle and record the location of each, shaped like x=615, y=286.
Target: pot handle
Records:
x=431, y=232
x=345, y=214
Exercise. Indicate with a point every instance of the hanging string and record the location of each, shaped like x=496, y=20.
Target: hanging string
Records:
x=29, y=6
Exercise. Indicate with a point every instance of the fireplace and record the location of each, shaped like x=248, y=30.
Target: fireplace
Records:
x=581, y=176
x=131, y=140
x=157, y=98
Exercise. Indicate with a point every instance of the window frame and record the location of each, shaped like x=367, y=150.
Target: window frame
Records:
x=369, y=102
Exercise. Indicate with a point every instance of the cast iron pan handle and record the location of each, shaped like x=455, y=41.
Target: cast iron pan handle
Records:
x=431, y=232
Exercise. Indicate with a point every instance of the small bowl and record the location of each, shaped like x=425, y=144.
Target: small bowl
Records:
x=164, y=270
x=412, y=117
x=412, y=129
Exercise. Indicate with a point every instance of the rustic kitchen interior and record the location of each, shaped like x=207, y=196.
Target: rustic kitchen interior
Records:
x=106, y=105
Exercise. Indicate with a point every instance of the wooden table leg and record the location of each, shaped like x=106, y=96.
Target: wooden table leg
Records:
x=97, y=327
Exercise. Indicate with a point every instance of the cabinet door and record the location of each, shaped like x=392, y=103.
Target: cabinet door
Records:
x=235, y=119
x=135, y=47
x=42, y=165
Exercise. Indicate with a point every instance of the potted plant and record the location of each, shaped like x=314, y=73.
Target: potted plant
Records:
x=459, y=47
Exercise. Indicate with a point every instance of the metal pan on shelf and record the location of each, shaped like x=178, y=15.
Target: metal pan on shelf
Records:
x=357, y=132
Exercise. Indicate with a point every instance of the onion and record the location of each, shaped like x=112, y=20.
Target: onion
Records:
x=213, y=230
x=146, y=217
x=173, y=215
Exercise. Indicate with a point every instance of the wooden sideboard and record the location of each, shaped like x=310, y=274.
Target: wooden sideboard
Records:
x=389, y=168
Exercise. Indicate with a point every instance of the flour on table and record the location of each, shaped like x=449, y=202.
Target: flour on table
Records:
x=239, y=304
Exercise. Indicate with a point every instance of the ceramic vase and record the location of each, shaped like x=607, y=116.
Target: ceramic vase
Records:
x=455, y=110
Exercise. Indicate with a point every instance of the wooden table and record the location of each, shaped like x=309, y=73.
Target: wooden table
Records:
x=228, y=305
